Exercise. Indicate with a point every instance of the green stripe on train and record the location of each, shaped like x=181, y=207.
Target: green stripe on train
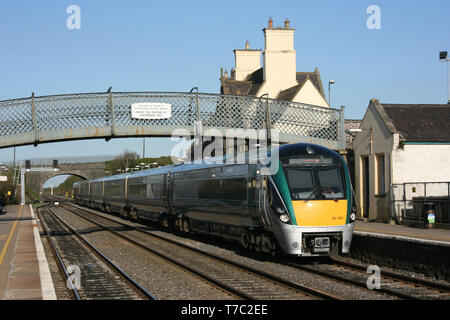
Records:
x=348, y=190
x=281, y=183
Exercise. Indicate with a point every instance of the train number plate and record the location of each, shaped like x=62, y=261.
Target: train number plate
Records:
x=321, y=244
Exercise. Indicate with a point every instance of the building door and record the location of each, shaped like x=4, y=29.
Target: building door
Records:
x=366, y=187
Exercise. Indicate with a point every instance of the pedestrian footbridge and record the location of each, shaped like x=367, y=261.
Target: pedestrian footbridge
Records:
x=42, y=119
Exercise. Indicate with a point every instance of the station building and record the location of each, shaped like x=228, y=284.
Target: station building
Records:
x=402, y=162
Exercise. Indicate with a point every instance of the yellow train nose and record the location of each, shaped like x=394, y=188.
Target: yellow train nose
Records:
x=312, y=213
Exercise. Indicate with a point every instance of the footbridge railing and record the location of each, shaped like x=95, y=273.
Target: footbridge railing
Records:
x=107, y=115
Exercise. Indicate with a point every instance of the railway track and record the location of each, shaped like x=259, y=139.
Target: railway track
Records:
x=99, y=277
x=240, y=280
x=393, y=284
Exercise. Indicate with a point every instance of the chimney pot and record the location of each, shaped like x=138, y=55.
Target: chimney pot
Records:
x=286, y=24
x=270, y=22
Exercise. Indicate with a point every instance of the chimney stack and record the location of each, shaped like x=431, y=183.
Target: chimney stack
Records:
x=286, y=24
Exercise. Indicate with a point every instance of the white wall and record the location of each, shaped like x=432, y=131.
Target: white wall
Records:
x=279, y=58
x=246, y=62
x=421, y=163
x=310, y=95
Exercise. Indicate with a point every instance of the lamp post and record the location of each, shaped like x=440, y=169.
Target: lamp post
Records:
x=143, y=148
x=268, y=127
x=443, y=56
x=329, y=90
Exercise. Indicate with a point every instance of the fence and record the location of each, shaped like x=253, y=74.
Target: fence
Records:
x=411, y=201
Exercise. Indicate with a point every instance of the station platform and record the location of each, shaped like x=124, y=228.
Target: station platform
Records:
x=24, y=271
x=429, y=236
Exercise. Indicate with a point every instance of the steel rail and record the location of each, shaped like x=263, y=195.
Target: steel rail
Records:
x=144, y=292
x=61, y=263
x=398, y=277
x=361, y=284
x=248, y=269
x=343, y=279
x=236, y=292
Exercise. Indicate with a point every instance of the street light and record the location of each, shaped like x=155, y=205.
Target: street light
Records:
x=443, y=56
x=143, y=148
x=329, y=89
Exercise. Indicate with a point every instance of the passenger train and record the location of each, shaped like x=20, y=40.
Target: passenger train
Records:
x=304, y=208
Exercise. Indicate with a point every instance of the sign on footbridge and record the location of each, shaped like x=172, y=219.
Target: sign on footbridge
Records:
x=35, y=120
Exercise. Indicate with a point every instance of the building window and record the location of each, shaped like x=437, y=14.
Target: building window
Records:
x=381, y=174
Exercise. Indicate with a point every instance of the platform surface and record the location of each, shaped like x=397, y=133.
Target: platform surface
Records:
x=24, y=272
x=429, y=236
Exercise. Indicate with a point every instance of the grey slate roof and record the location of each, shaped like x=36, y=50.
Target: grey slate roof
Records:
x=234, y=87
x=251, y=85
x=315, y=79
x=420, y=122
x=289, y=94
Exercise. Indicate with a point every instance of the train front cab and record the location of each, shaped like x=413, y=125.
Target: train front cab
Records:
x=315, y=191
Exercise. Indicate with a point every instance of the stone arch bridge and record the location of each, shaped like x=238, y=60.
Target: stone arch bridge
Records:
x=41, y=169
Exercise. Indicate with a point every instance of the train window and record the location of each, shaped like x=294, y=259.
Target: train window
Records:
x=241, y=170
x=233, y=189
x=114, y=188
x=155, y=179
x=137, y=191
x=330, y=180
x=179, y=176
x=84, y=188
x=301, y=182
x=227, y=171
x=208, y=189
x=185, y=190
x=234, y=171
x=197, y=174
x=155, y=191
x=97, y=188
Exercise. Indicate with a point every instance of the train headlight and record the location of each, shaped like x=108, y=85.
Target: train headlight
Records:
x=352, y=217
x=284, y=218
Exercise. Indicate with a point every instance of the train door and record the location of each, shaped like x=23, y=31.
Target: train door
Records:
x=262, y=183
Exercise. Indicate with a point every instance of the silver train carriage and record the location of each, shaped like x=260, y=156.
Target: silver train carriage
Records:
x=305, y=207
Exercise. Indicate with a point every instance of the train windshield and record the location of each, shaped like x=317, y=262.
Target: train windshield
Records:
x=315, y=182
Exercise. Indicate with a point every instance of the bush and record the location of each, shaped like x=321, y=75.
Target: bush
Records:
x=4, y=198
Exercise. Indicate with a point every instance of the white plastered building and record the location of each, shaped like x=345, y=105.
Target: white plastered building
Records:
x=400, y=149
x=278, y=77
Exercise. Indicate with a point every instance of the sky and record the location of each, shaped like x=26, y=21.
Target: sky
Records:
x=175, y=45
